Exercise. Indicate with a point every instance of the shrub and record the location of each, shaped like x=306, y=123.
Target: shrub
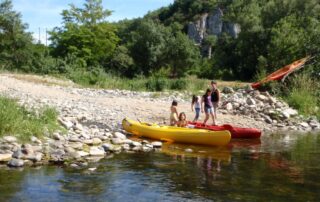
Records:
x=302, y=93
x=179, y=84
x=156, y=84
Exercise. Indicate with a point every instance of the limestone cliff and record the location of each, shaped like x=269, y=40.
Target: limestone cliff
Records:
x=211, y=24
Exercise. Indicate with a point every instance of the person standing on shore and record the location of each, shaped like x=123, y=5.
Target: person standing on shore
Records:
x=174, y=113
x=215, y=97
x=207, y=107
x=196, y=106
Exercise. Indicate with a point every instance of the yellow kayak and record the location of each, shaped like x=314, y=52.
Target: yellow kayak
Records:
x=177, y=134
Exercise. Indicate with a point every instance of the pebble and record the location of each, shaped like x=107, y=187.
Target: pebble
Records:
x=16, y=162
x=5, y=157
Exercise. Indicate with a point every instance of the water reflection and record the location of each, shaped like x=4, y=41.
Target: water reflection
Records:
x=245, y=170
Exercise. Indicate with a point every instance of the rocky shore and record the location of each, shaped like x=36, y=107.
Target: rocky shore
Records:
x=91, y=119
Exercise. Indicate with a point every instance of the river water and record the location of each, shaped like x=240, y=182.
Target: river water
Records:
x=275, y=168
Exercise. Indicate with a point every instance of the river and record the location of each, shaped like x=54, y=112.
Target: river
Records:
x=275, y=168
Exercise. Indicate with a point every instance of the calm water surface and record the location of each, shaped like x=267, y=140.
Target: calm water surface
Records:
x=277, y=168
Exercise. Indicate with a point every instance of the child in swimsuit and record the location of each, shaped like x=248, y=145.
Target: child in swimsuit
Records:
x=174, y=113
x=182, y=120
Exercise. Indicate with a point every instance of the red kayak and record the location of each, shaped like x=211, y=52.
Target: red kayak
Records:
x=236, y=132
x=281, y=73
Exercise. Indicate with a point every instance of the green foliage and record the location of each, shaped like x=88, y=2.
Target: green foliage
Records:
x=303, y=94
x=156, y=84
x=85, y=34
x=15, y=42
x=179, y=84
x=22, y=123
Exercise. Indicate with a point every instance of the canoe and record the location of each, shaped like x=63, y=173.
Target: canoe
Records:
x=281, y=73
x=177, y=134
x=236, y=132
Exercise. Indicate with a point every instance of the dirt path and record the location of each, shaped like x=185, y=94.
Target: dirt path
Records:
x=102, y=106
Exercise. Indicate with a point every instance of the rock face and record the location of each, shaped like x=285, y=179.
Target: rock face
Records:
x=211, y=24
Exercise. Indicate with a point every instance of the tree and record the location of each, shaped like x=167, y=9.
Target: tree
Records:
x=147, y=45
x=14, y=40
x=181, y=54
x=85, y=34
x=210, y=41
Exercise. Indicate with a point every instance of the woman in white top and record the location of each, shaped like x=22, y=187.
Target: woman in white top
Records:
x=196, y=106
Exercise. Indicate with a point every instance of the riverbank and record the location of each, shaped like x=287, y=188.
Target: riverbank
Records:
x=92, y=119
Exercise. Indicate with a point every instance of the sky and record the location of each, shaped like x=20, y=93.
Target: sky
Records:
x=45, y=14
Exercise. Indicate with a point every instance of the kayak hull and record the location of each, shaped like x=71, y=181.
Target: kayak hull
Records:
x=177, y=134
x=279, y=74
x=236, y=132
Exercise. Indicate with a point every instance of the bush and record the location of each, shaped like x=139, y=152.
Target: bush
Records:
x=156, y=84
x=16, y=120
x=179, y=84
x=302, y=93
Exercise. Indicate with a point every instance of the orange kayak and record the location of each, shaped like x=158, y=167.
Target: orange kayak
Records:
x=279, y=74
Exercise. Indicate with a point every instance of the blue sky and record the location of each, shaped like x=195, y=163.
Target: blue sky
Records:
x=46, y=13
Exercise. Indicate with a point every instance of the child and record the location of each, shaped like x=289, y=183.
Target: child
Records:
x=174, y=113
x=196, y=105
x=182, y=120
x=207, y=106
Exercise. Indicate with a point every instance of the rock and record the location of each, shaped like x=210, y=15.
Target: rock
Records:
x=16, y=162
x=314, y=124
x=92, y=169
x=82, y=153
x=35, y=157
x=135, y=144
x=88, y=142
x=290, y=112
x=250, y=101
x=156, y=144
x=78, y=126
x=95, y=151
x=57, y=136
x=66, y=124
x=18, y=154
x=272, y=100
x=57, y=155
x=116, y=141
x=35, y=140
x=9, y=139
x=262, y=97
x=107, y=147
x=188, y=150
x=5, y=157
x=96, y=141
x=304, y=124
x=229, y=106
x=27, y=149
x=75, y=145
x=227, y=90
x=119, y=135
x=267, y=119
x=146, y=149
x=73, y=165
x=125, y=147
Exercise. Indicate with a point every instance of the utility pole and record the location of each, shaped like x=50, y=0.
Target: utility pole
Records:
x=39, y=37
x=46, y=37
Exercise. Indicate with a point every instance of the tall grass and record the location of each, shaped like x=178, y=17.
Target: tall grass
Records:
x=303, y=93
x=100, y=79
x=22, y=123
